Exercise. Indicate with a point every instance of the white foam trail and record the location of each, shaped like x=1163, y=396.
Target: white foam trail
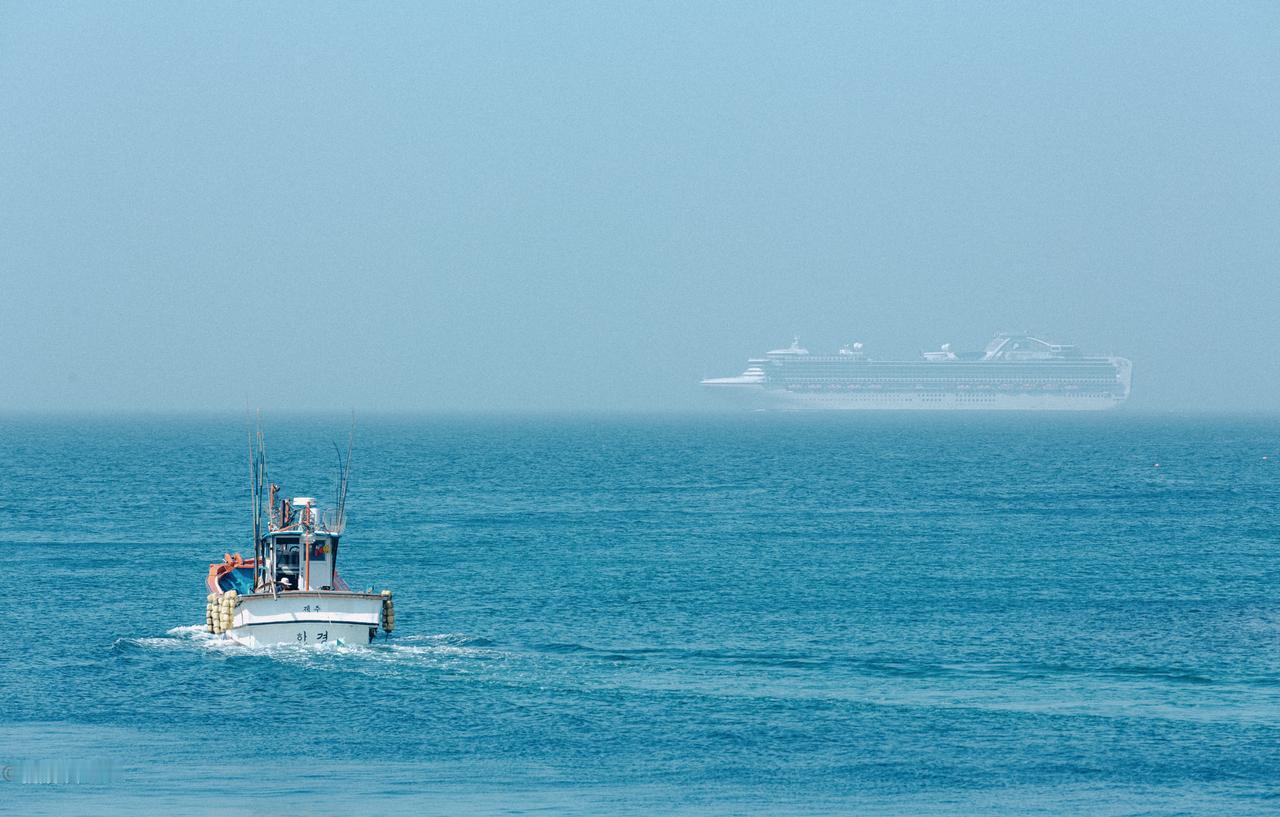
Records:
x=441, y=650
x=196, y=631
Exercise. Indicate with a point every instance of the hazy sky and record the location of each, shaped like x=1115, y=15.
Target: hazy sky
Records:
x=548, y=206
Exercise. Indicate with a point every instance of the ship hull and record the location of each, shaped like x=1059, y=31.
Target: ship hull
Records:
x=761, y=397
x=794, y=380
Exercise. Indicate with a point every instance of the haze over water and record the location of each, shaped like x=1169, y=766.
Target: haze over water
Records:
x=562, y=206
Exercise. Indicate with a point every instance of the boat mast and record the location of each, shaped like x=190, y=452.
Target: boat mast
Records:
x=255, y=498
x=304, y=550
x=257, y=477
x=340, y=512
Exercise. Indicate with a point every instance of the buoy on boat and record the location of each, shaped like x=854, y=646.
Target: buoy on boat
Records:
x=388, y=611
x=222, y=611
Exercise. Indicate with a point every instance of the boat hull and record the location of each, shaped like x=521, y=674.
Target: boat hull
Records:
x=307, y=618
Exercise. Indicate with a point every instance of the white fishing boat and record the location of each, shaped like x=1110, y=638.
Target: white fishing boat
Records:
x=290, y=592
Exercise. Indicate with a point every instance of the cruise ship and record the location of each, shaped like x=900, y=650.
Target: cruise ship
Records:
x=1014, y=372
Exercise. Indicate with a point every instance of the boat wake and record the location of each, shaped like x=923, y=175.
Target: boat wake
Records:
x=445, y=650
x=175, y=639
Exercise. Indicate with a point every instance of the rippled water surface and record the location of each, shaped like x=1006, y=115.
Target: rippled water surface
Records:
x=764, y=614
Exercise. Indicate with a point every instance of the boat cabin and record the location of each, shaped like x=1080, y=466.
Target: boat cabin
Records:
x=299, y=550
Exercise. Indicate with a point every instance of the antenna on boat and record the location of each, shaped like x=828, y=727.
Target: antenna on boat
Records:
x=257, y=478
x=340, y=509
x=253, y=483
x=337, y=498
x=344, y=476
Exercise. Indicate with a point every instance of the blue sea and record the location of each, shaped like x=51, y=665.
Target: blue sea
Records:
x=780, y=614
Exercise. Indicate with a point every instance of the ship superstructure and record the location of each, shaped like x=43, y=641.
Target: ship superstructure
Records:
x=1015, y=371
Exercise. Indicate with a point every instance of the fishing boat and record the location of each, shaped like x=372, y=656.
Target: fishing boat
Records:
x=290, y=591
